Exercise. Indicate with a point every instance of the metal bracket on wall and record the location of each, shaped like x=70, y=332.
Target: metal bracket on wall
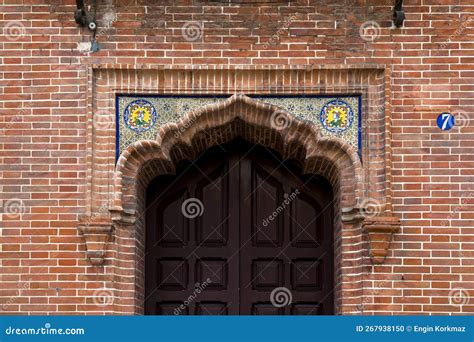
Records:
x=398, y=13
x=83, y=17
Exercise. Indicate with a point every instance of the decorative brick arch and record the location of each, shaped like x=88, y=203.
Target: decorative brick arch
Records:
x=255, y=121
x=121, y=235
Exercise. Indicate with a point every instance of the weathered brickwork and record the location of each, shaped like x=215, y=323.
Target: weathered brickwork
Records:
x=71, y=234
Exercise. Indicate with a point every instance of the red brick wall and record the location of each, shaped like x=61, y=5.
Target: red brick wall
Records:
x=44, y=125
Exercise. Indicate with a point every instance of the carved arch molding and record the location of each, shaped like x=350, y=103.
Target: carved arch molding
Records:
x=113, y=224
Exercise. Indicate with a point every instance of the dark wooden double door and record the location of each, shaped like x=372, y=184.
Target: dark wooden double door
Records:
x=230, y=257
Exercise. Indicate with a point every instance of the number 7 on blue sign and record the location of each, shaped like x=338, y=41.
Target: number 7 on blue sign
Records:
x=445, y=121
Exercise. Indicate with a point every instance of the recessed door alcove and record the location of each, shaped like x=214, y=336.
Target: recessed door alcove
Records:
x=229, y=243
x=114, y=224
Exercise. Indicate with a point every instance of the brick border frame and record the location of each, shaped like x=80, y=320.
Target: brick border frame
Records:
x=113, y=227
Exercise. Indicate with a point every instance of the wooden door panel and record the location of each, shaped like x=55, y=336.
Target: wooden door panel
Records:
x=212, y=308
x=215, y=271
x=176, y=270
x=168, y=308
x=250, y=239
x=212, y=227
x=266, y=309
x=298, y=261
x=267, y=274
x=306, y=225
x=172, y=228
x=307, y=274
x=172, y=274
x=265, y=197
x=310, y=308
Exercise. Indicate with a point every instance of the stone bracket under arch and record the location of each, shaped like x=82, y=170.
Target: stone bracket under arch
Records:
x=380, y=230
x=97, y=232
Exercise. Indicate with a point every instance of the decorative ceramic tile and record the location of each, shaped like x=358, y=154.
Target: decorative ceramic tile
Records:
x=337, y=116
x=139, y=117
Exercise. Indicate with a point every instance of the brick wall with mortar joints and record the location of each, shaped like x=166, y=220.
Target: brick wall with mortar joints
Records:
x=430, y=173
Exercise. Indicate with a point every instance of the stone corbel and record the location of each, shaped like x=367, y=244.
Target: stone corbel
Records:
x=380, y=230
x=97, y=232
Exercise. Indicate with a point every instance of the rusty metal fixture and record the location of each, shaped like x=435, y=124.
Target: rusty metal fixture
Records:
x=84, y=17
x=398, y=13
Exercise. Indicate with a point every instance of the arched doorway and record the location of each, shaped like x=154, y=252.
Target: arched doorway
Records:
x=256, y=122
x=239, y=230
